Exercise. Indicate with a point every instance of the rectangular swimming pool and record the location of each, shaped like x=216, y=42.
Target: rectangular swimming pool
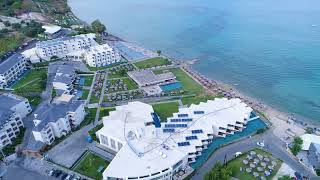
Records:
x=171, y=87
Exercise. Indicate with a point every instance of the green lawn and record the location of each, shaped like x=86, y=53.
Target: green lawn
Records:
x=91, y=115
x=85, y=93
x=90, y=164
x=32, y=81
x=130, y=83
x=34, y=100
x=190, y=86
x=235, y=165
x=197, y=99
x=94, y=99
x=153, y=62
x=105, y=112
x=165, y=110
x=88, y=80
x=9, y=43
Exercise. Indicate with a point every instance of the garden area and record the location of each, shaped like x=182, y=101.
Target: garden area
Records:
x=92, y=132
x=120, y=71
x=91, y=115
x=123, y=96
x=97, y=87
x=117, y=85
x=87, y=80
x=197, y=99
x=153, y=62
x=189, y=85
x=104, y=111
x=256, y=164
x=31, y=85
x=91, y=165
x=85, y=94
x=165, y=110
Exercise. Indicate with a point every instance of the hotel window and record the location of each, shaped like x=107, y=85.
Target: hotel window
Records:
x=119, y=146
x=113, y=143
x=104, y=140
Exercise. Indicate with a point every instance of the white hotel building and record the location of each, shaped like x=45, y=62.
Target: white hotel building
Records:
x=96, y=56
x=12, y=109
x=62, y=46
x=148, y=149
x=11, y=69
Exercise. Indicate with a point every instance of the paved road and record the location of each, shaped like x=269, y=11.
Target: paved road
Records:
x=18, y=173
x=272, y=144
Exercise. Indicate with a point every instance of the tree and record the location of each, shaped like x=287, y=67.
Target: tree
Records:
x=309, y=130
x=98, y=27
x=16, y=26
x=218, y=172
x=296, y=145
x=286, y=177
x=159, y=52
x=32, y=29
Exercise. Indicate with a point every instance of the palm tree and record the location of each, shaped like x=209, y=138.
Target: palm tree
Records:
x=159, y=52
x=218, y=172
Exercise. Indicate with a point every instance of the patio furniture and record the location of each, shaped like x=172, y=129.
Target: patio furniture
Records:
x=263, y=164
x=245, y=162
x=255, y=174
x=260, y=156
x=266, y=159
x=267, y=173
x=256, y=160
x=263, y=178
x=249, y=157
x=252, y=153
x=248, y=170
x=274, y=163
x=270, y=167
x=260, y=169
x=252, y=165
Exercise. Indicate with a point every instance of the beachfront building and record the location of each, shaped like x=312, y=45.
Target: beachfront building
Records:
x=314, y=155
x=64, y=79
x=60, y=47
x=159, y=150
x=96, y=56
x=12, y=109
x=57, y=119
x=11, y=69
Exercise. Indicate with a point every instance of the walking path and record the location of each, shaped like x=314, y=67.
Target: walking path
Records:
x=101, y=98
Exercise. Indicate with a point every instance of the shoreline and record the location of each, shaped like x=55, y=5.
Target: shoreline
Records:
x=270, y=111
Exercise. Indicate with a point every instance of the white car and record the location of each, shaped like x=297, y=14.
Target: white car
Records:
x=237, y=154
x=261, y=144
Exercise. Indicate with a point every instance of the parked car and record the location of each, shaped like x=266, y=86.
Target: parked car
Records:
x=69, y=177
x=261, y=144
x=57, y=173
x=50, y=173
x=237, y=154
x=77, y=178
x=64, y=176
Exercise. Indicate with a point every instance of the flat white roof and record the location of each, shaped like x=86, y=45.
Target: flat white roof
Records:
x=144, y=146
x=308, y=139
x=51, y=29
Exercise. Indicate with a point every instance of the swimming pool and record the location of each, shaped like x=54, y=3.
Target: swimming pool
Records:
x=251, y=128
x=172, y=86
x=79, y=93
x=81, y=81
x=129, y=52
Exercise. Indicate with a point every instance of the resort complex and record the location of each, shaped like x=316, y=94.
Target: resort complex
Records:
x=160, y=150
x=78, y=103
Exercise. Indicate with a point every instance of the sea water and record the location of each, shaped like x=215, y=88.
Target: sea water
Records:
x=270, y=49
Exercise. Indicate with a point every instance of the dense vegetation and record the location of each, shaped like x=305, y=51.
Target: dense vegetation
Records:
x=296, y=145
x=218, y=172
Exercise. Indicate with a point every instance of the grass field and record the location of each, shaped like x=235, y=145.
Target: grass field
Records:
x=94, y=99
x=90, y=164
x=197, y=99
x=88, y=80
x=153, y=62
x=130, y=83
x=9, y=43
x=32, y=81
x=85, y=93
x=105, y=112
x=189, y=85
x=235, y=165
x=165, y=110
x=91, y=115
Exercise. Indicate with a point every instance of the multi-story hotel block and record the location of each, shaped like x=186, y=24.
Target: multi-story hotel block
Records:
x=96, y=56
x=62, y=46
x=155, y=150
x=64, y=78
x=101, y=55
x=12, y=109
x=57, y=119
x=11, y=69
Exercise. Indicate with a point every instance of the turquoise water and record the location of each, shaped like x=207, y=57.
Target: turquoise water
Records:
x=252, y=127
x=171, y=87
x=270, y=48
